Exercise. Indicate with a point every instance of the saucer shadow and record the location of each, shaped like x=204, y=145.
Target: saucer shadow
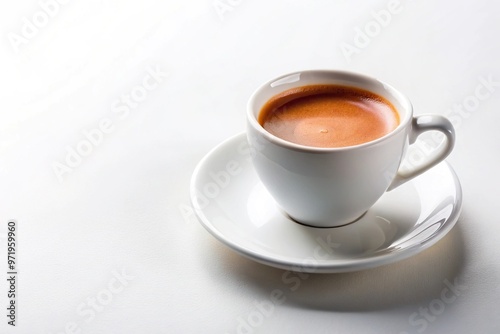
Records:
x=408, y=282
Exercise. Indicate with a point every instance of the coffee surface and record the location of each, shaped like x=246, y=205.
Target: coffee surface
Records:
x=328, y=116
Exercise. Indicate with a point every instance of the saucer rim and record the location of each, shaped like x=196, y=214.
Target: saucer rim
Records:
x=341, y=265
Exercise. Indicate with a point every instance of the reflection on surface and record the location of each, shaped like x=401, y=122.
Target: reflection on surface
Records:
x=261, y=208
x=288, y=79
x=429, y=226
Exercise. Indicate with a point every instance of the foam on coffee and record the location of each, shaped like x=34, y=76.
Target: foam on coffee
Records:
x=328, y=116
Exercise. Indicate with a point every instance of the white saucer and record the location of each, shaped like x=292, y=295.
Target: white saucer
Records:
x=233, y=205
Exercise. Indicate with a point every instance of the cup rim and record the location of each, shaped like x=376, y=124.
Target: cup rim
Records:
x=396, y=94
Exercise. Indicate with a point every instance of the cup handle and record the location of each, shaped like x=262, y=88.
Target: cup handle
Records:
x=421, y=124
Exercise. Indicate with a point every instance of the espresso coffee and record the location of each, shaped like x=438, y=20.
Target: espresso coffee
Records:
x=328, y=116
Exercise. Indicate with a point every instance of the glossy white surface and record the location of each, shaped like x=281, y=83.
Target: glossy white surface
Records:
x=125, y=207
x=328, y=187
x=245, y=217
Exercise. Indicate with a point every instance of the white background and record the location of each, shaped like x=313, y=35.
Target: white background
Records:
x=124, y=210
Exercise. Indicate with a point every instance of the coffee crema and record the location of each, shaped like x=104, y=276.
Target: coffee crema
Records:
x=328, y=116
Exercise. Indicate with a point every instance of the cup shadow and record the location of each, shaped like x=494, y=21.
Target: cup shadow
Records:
x=407, y=282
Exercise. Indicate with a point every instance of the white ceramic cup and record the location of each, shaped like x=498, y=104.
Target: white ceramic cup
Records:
x=327, y=187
